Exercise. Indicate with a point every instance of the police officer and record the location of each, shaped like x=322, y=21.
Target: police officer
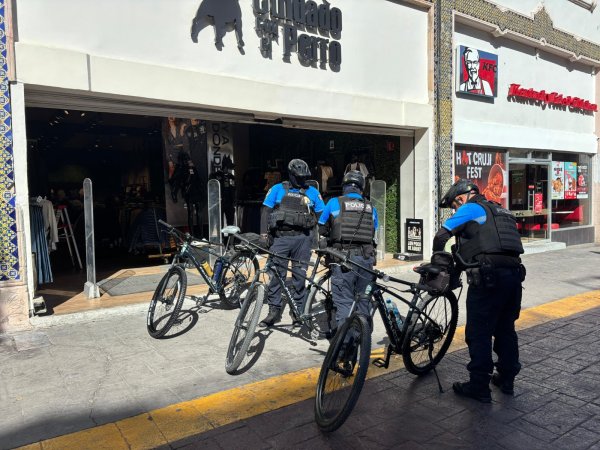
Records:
x=349, y=223
x=489, y=243
x=289, y=216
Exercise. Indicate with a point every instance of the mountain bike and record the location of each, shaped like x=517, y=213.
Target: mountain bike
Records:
x=317, y=315
x=228, y=278
x=422, y=339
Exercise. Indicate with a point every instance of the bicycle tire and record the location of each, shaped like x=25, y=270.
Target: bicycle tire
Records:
x=233, y=286
x=243, y=331
x=173, y=302
x=335, y=370
x=422, y=334
x=321, y=307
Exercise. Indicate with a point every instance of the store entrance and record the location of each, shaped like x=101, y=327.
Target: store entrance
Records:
x=528, y=199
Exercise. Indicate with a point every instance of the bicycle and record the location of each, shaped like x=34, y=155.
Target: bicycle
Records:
x=422, y=340
x=317, y=314
x=227, y=278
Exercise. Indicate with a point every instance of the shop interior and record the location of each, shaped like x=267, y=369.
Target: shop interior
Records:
x=133, y=163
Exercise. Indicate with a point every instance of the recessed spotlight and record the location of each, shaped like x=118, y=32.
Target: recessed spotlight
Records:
x=66, y=112
x=82, y=114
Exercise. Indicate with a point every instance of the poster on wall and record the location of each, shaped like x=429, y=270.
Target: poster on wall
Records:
x=487, y=169
x=582, y=181
x=558, y=183
x=570, y=180
x=477, y=72
x=186, y=170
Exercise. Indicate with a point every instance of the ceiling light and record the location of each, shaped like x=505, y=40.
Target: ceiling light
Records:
x=51, y=124
x=82, y=114
x=66, y=112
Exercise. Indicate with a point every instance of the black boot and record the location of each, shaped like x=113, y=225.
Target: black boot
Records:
x=506, y=385
x=296, y=322
x=470, y=390
x=272, y=318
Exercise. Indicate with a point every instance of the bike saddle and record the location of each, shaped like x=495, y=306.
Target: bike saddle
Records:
x=427, y=268
x=230, y=229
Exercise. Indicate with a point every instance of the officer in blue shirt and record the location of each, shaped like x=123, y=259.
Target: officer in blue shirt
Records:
x=289, y=216
x=349, y=223
x=488, y=242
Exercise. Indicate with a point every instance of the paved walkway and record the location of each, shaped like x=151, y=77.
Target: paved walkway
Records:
x=95, y=372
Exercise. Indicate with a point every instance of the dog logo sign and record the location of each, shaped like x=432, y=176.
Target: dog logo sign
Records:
x=223, y=16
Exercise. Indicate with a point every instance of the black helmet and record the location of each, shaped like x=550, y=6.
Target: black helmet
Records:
x=298, y=168
x=460, y=187
x=298, y=173
x=354, y=177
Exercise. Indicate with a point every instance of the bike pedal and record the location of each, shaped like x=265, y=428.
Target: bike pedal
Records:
x=379, y=362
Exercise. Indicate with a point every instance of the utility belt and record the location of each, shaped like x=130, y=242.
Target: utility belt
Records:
x=487, y=275
x=291, y=232
x=364, y=250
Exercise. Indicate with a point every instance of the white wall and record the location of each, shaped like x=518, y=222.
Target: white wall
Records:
x=507, y=123
x=565, y=15
x=384, y=51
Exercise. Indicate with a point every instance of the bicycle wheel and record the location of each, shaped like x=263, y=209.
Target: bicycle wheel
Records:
x=166, y=302
x=430, y=333
x=321, y=306
x=236, y=278
x=343, y=373
x=243, y=331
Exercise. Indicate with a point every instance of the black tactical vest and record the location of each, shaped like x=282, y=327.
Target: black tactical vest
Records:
x=498, y=235
x=354, y=224
x=293, y=212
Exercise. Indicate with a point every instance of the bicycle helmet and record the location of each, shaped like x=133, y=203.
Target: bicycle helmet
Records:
x=298, y=172
x=462, y=186
x=355, y=178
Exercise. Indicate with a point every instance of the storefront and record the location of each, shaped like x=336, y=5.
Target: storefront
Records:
x=274, y=79
x=524, y=131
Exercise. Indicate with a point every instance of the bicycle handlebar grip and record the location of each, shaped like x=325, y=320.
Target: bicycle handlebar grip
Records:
x=164, y=224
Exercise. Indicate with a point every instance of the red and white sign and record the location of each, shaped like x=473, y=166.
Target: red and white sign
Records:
x=551, y=98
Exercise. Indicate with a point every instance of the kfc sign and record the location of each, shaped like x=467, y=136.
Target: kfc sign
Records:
x=477, y=72
x=551, y=98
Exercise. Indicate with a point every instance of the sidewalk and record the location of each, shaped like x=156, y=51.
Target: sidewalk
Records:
x=83, y=372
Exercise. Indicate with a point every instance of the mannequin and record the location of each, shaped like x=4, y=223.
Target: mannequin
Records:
x=228, y=194
x=324, y=173
x=356, y=164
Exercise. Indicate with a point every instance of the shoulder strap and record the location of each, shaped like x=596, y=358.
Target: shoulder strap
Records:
x=286, y=186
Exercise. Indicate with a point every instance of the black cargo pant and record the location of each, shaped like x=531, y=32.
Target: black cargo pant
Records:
x=346, y=284
x=295, y=247
x=491, y=314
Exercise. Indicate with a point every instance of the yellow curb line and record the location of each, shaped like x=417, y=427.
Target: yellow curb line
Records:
x=185, y=419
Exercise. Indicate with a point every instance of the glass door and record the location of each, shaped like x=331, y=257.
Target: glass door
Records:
x=528, y=196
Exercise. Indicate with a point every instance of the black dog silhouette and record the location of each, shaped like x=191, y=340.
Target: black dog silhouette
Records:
x=222, y=15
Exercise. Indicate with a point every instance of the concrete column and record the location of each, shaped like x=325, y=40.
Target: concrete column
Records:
x=424, y=176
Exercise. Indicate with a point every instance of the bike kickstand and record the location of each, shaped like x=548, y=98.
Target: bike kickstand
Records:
x=435, y=370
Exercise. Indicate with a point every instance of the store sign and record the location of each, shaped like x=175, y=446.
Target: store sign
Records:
x=551, y=98
x=310, y=30
x=477, y=72
x=414, y=236
x=487, y=169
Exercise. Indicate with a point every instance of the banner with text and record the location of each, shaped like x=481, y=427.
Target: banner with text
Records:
x=486, y=168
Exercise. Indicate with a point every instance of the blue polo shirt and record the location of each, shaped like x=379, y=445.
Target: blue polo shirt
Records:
x=277, y=192
x=464, y=214
x=332, y=209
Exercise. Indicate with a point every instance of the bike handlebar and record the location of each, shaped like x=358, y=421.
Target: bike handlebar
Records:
x=186, y=236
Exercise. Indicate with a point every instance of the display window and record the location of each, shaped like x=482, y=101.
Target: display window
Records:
x=570, y=187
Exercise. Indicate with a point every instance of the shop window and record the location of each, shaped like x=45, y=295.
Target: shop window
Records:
x=571, y=190
x=518, y=153
x=540, y=155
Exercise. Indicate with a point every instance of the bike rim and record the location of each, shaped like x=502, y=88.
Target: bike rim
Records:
x=430, y=331
x=340, y=377
x=241, y=330
x=165, y=304
x=240, y=272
